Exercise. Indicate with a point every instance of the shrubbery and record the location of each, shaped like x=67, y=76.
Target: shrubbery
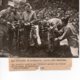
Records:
x=50, y=9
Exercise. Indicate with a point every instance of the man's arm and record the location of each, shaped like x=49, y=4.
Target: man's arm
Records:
x=64, y=35
x=34, y=18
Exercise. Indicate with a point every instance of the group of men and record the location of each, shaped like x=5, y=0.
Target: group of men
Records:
x=26, y=17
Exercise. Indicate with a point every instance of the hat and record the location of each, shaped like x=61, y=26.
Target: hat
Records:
x=28, y=5
x=10, y=3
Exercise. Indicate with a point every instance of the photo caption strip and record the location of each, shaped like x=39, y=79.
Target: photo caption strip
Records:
x=24, y=64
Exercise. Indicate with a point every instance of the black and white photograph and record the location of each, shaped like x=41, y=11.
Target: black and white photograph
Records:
x=39, y=28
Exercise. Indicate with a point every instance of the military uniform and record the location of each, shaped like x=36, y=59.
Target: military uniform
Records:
x=53, y=24
x=7, y=16
x=19, y=30
x=29, y=17
x=70, y=33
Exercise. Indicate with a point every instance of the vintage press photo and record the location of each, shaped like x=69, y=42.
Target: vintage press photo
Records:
x=39, y=31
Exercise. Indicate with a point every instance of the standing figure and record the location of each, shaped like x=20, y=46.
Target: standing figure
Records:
x=29, y=16
x=6, y=16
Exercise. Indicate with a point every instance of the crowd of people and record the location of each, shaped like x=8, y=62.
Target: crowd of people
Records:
x=20, y=25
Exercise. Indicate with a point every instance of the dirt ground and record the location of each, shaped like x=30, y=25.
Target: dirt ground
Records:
x=39, y=52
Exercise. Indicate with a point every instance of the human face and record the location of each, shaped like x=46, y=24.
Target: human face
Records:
x=27, y=9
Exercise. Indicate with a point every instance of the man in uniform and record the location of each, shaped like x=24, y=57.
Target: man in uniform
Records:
x=53, y=26
x=29, y=16
x=6, y=16
x=69, y=33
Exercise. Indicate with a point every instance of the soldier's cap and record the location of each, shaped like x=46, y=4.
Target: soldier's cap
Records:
x=11, y=4
x=28, y=5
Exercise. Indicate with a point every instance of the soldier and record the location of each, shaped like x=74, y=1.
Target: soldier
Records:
x=6, y=16
x=53, y=25
x=69, y=33
x=29, y=16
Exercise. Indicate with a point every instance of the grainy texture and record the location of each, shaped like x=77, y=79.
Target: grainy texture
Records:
x=49, y=9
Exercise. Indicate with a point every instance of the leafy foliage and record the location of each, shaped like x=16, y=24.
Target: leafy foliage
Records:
x=57, y=8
